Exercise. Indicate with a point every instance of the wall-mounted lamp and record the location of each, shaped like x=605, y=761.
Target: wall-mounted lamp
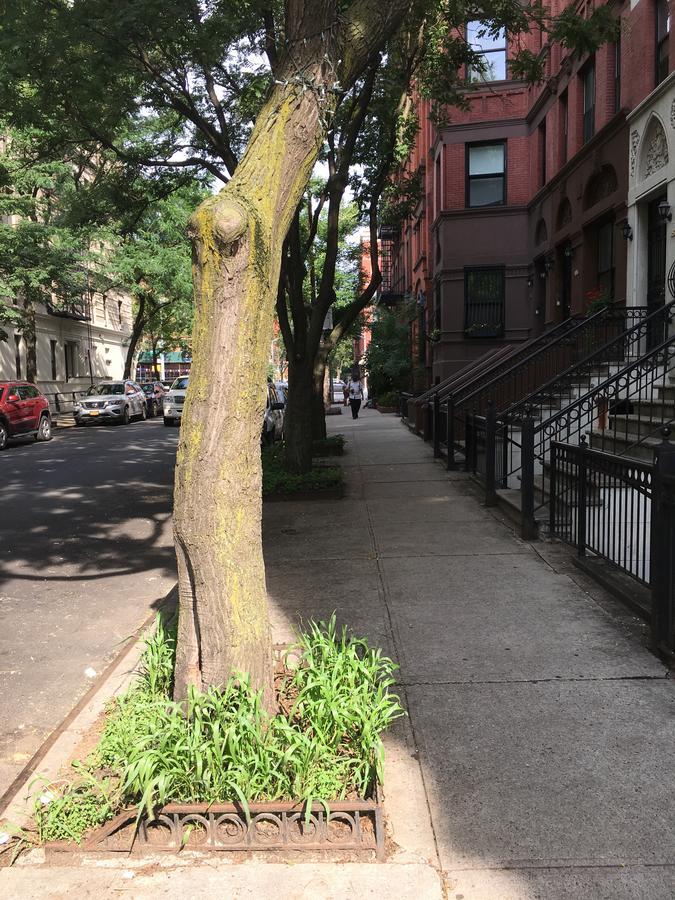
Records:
x=664, y=210
x=530, y=281
x=626, y=231
x=568, y=252
x=549, y=263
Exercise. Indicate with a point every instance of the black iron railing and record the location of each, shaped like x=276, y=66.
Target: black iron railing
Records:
x=601, y=503
x=403, y=401
x=648, y=329
x=582, y=339
x=623, y=511
x=63, y=402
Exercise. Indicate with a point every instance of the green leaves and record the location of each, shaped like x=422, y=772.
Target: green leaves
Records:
x=221, y=746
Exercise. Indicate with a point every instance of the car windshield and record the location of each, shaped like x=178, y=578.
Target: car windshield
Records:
x=107, y=389
x=180, y=384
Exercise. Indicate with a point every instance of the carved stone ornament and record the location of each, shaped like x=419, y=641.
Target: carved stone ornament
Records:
x=657, y=151
x=634, y=142
x=672, y=114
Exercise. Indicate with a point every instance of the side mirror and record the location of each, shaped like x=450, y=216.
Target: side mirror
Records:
x=278, y=405
x=13, y=398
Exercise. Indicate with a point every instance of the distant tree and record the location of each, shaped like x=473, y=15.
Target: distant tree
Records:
x=43, y=258
x=388, y=360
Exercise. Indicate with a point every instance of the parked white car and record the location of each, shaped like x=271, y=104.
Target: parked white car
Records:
x=174, y=400
x=111, y=401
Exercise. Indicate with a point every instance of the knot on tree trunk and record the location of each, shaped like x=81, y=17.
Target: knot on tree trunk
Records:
x=218, y=224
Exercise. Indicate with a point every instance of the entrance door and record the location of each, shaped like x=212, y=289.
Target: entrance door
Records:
x=566, y=282
x=656, y=269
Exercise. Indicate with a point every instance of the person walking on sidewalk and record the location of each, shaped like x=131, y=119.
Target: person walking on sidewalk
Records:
x=355, y=396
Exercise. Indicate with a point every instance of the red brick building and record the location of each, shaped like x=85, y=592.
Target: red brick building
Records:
x=522, y=220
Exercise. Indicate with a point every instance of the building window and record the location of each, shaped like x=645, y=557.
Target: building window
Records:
x=564, y=127
x=542, y=154
x=439, y=186
x=490, y=45
x=52, y=346
x=588, y=79
x=70, y=356
x=486, y=174
x=437, y=306
x=17, y=355
x=606, y=259
x=484, y=302
x=662, y=38
x=617, y=76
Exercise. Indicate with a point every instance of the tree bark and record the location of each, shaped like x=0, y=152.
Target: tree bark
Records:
x=136, y=332
x=318, y=405
x=298, y=418
x=30, y=337
x=237, y=237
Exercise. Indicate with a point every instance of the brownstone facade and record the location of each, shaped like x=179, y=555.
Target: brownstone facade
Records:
x=522, y=217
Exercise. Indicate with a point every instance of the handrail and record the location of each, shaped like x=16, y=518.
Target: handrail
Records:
x=581, y=325
x=495, y=355
x=557, y=383
x=559, y=331
x=600, y=389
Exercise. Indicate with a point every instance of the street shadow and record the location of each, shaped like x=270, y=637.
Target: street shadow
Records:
x=92, y=504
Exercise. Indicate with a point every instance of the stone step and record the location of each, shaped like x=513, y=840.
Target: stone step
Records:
x=629, y=445
x=639, y=423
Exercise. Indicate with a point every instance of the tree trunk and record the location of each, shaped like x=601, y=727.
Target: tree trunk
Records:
x=237, y=239
x=318, y=407
x=136, y=332
x=298, y=418
x=29, y=336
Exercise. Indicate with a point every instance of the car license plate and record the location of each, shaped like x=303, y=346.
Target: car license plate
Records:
x=93, y=412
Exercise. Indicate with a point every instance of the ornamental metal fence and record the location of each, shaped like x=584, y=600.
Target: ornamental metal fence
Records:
x=621, y=510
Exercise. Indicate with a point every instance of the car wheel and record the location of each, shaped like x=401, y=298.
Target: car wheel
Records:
x=44, y=432
x=126, y=418
x=144, y=413
x=4, y=434
x=168, y=421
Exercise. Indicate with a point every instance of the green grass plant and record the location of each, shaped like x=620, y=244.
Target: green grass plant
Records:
x=333, y=445
x=335, y=700
x=276, y=479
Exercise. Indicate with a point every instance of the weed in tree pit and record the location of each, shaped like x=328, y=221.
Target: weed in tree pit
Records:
x=335, y=700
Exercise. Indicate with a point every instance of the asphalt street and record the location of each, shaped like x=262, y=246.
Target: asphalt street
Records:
x=85, y=556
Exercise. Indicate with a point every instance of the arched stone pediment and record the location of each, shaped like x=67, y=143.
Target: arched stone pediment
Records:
x=654, y=149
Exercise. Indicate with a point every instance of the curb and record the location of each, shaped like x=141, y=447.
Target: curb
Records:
x=57, y=749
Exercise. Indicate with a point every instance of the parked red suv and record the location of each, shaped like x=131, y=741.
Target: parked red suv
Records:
x=23, y=410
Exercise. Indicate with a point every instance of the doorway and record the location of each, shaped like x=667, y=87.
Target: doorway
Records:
x=566, y=282
x=656, y=269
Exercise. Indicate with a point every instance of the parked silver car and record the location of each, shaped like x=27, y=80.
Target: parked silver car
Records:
x=111, y=401
x=174, y=400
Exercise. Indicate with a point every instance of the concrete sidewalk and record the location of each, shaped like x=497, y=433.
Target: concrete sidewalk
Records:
x=538, y=759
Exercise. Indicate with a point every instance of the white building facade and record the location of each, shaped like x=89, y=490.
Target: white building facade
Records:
x=651, y=199
x=74, y=348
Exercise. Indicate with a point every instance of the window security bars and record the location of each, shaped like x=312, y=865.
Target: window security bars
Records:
x=484, y=302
